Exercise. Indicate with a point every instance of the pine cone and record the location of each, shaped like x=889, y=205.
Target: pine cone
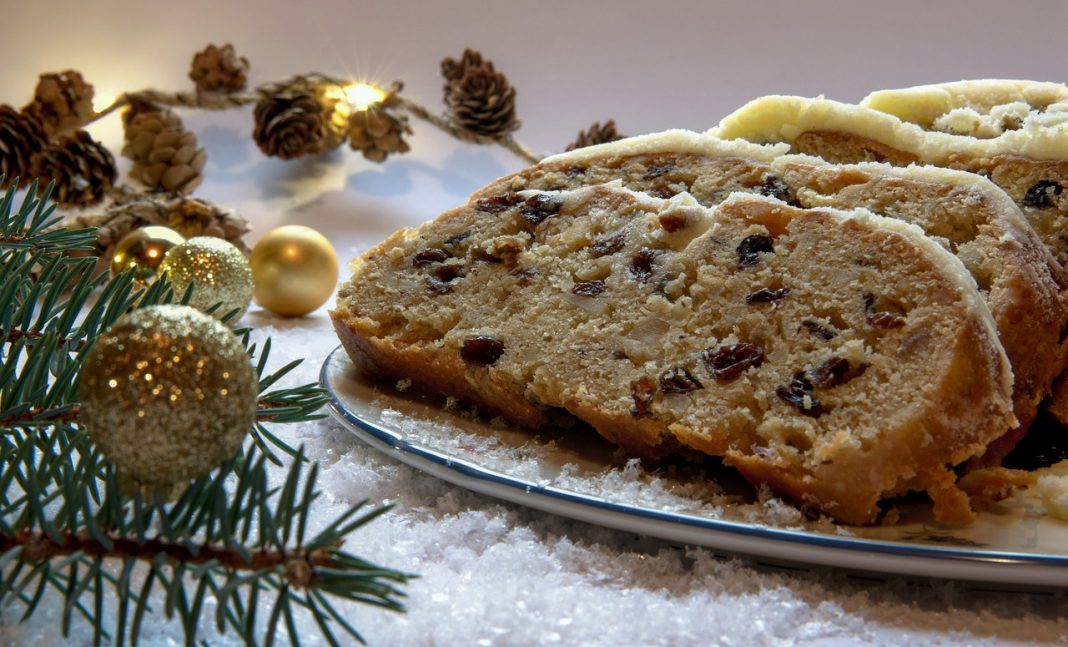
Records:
x=165, y=155
x=290, y=123
x=454, y=70
x=21, y=135
x=195, y=217
x=378, y=131
x=596, y=134
x=83, y=169
x=219, y=69
x=62, y=101
x=483, y=102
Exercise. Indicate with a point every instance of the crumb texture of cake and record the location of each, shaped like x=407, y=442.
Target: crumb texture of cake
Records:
x=838, y=356
x=1030, y=163
x=965, y=213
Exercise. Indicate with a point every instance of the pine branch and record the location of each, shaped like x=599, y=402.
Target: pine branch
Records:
x=65, y=521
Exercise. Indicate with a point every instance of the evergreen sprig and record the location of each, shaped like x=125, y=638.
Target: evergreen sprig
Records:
x=69, y=531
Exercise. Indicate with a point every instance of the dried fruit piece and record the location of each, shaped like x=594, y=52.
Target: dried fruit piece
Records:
x=456, y=239
x=657, y=171
x=604, y=246
x=663, y=191
x=799, y=394
x=673, y=221
x=642, y=391
x=731, y=360
x=538, y=208
x=642, y=266
x=765, y=295
x=679, y=380
x=482, y=350
x=498, y=203
x=588, y=288
x=447, y=273
x=878, y=317
x=751, y=247
x=818, y=330
x=575, y=170
x=835, y=371
x=774, y=187
x=1038, y=196
x=431, y=255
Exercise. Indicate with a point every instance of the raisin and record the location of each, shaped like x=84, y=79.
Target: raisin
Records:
x=835, y=371
x=431, y=255
x=498, y=203
x=662, y=191
x=751, y=247
x=729, y=361
x=588, y=288
x=642, y=391
x=657, y=171
x=673, y=221
x=679, y=380
x=642, y=266
x=482, y=350
x=764, y=295
x=575, y=170
x=438, y=286
x=447, y=273
x=458, y=238
x=774, y=187
x=1038, y=195
x=605, y=245
x=618, y=354
x=799, y=393
x=538, y=208
x=818, y=330
x=881, y=318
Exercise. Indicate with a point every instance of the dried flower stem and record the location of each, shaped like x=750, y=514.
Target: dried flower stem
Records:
x=221, y=101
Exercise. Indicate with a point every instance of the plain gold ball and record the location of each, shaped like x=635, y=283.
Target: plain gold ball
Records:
x=294, y=270
x=143, y=250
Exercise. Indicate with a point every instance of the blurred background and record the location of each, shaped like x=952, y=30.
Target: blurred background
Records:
x=650, y=66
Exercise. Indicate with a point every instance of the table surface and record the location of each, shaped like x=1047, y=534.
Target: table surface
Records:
x=493, y=573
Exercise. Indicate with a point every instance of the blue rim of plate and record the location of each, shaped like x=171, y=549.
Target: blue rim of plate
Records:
x=897, y=558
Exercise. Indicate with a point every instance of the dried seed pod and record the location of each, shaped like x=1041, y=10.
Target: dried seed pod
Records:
x=21, y=135
x=290, y=122
x=596, y=134
x=83, y=169
x=165, y=155
x=62, y=101
x=378, y=130
x=482, y=101
x=219, y=69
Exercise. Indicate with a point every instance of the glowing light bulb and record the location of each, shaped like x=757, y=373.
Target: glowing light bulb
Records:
x=362, y=96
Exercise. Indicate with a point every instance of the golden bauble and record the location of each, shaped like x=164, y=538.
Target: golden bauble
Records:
x=219, y=272
x=294, y=269
x=143, y=250
x=167, y=394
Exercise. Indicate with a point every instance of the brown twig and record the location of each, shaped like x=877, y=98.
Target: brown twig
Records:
x=296, y=565
x=222, y=101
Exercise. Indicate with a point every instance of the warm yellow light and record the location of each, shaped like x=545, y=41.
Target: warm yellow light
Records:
x=102, y=100
x=362, y=96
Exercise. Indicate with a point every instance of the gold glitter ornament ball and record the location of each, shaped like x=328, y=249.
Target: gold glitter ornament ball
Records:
x=294, y=269
x=143, y=250
x=218, y=270
x=167, y=394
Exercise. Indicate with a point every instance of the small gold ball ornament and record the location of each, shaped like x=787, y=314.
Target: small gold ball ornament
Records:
x=294, y=269
x=143, y=250
x=218, y=270
x=167, y=394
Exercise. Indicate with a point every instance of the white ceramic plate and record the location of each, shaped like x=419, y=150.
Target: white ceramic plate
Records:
x=575, y=474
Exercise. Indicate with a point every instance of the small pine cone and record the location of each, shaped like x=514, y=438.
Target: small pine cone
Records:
x=335, y=117
x=454, y=70
x=165, y=155
x=596, y=134
x=483, y=102
x=219, y=69
x=377, y=132
x=290, y=123
x=194, y=217
x=62, y=101
x=83, y=169
x=21, y=135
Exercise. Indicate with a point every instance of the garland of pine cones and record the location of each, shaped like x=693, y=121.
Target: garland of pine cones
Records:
x=302, y=116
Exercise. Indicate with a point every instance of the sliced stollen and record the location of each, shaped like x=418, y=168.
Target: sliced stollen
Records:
x=1030, y=163
x=662, y=322
x=981, y=108
x=964, y=212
